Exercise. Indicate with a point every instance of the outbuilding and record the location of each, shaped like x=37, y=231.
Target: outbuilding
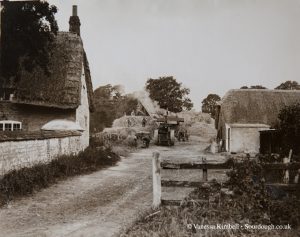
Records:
x=243, y=113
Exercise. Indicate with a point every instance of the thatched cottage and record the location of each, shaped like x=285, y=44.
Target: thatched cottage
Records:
x=243, y=113
x=45, y=116
x=65, y=94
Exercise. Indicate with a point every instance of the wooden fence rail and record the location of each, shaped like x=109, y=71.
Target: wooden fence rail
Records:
x=196, y=165
x=281, y=166
x=157, y=166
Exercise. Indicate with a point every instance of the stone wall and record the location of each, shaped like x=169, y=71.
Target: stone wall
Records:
x=26, y=153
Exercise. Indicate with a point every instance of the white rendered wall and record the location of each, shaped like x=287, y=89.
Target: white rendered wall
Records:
x=245, y=139
x=83, y=112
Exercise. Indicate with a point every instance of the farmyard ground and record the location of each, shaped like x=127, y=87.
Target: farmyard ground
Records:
x=99, y=204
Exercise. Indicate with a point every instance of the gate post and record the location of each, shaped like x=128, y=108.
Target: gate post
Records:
x=156, y=179
x=204, y=170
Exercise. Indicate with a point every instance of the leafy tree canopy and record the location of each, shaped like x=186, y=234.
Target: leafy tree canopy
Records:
x=209, y=104
x=27, y=29
x=289, y=127
x=254, y=87
x=288, y=85
x=109, y=92
x=110, y=104
x=169, y=94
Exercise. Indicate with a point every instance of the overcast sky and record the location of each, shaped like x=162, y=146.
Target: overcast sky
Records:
x=210, y=46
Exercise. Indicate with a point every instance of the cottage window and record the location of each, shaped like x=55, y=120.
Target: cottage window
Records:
x=16, y=126
x=7, y=125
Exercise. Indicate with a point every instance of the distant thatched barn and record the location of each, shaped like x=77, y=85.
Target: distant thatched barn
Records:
x=243, y=113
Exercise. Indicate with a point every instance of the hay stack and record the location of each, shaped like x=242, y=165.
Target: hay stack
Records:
x=202, y=129
x=191, y=117
x=128, y=126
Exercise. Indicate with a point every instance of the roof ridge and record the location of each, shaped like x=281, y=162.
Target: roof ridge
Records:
x=264, y=90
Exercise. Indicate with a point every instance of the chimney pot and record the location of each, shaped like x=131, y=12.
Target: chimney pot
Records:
x=74, y=10
x=74, y=21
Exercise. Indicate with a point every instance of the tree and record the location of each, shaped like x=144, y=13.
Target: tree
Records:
x=27, y=30
x=110, y=104
x=209, y=104
x=108, y=92
x=253, y=87
x=288, y=85
x=289, y=128
x=169, y=94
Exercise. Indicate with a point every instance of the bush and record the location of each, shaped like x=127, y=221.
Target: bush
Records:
x=247, y=180
x=27, y=180
x=289, y=128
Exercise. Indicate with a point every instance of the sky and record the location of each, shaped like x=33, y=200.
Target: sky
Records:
x=211, y=46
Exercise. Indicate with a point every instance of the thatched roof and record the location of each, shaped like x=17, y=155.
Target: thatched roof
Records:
x=60, y=89
x=256, y=106
x=150, y=106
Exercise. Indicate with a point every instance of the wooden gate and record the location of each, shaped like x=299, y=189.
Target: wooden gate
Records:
x=157, y=166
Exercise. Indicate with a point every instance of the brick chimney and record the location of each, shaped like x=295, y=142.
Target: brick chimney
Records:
x=74, y=22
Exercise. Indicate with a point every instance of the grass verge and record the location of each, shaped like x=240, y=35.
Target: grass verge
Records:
x=25, y=181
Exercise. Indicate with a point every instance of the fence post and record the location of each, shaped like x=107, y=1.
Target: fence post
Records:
x=205, y=175
x=286, y=172
x=296, y=180
x=156, y=179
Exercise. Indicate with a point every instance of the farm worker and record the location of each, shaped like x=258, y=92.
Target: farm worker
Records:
x=128, y=122
x=144, y=121
x=135, y=140
x=146, y=142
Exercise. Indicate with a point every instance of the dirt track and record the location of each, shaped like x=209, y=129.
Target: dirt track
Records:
x=100, y=204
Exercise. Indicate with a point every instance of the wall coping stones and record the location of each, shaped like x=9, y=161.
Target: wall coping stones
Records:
x=36, y=135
